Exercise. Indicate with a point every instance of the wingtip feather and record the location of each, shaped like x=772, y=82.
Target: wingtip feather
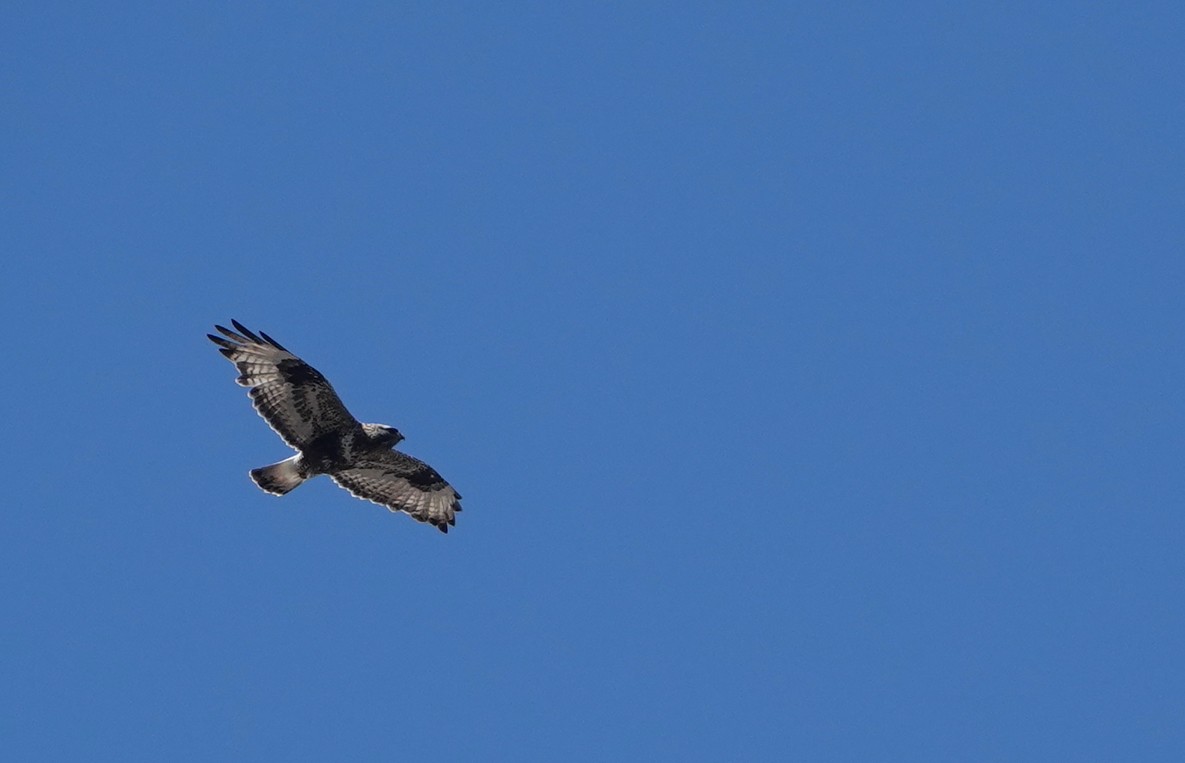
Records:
x=272, y=342
x=245, y=331
x=231, y=334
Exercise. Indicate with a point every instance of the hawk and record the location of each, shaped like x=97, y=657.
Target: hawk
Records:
x=300, y=405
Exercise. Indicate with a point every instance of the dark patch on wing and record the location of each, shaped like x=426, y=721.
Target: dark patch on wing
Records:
x=297, y=373
x=425, y=478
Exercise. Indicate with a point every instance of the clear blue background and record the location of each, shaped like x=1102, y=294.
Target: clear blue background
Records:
x=812, y=373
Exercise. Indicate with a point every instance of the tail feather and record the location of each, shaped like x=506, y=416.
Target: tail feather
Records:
x=280, y=478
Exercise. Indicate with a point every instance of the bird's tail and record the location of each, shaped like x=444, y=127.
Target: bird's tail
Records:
x=280, y=478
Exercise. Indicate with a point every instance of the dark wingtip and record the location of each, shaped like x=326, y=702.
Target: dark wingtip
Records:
x=245, y=331
x=230, y=334
x=273, y=342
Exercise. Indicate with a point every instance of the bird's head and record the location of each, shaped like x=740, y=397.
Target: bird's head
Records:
x=381, y=434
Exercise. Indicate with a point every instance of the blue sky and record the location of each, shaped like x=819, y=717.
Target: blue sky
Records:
x=812, y=374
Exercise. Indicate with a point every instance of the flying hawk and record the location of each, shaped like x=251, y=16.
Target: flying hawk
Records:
x=300, y=405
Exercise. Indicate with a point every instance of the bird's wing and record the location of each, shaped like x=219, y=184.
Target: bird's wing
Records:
x=291, y=396
x=402, y=483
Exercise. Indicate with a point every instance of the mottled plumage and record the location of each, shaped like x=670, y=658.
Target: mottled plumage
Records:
x=301, y=406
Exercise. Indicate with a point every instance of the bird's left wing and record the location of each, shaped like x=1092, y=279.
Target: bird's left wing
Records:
x=291, y=396
x=402, y=483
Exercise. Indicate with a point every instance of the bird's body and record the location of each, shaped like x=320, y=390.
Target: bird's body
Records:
x=303, y=408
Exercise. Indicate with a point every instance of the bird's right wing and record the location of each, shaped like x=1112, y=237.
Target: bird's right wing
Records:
x=291, y=396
